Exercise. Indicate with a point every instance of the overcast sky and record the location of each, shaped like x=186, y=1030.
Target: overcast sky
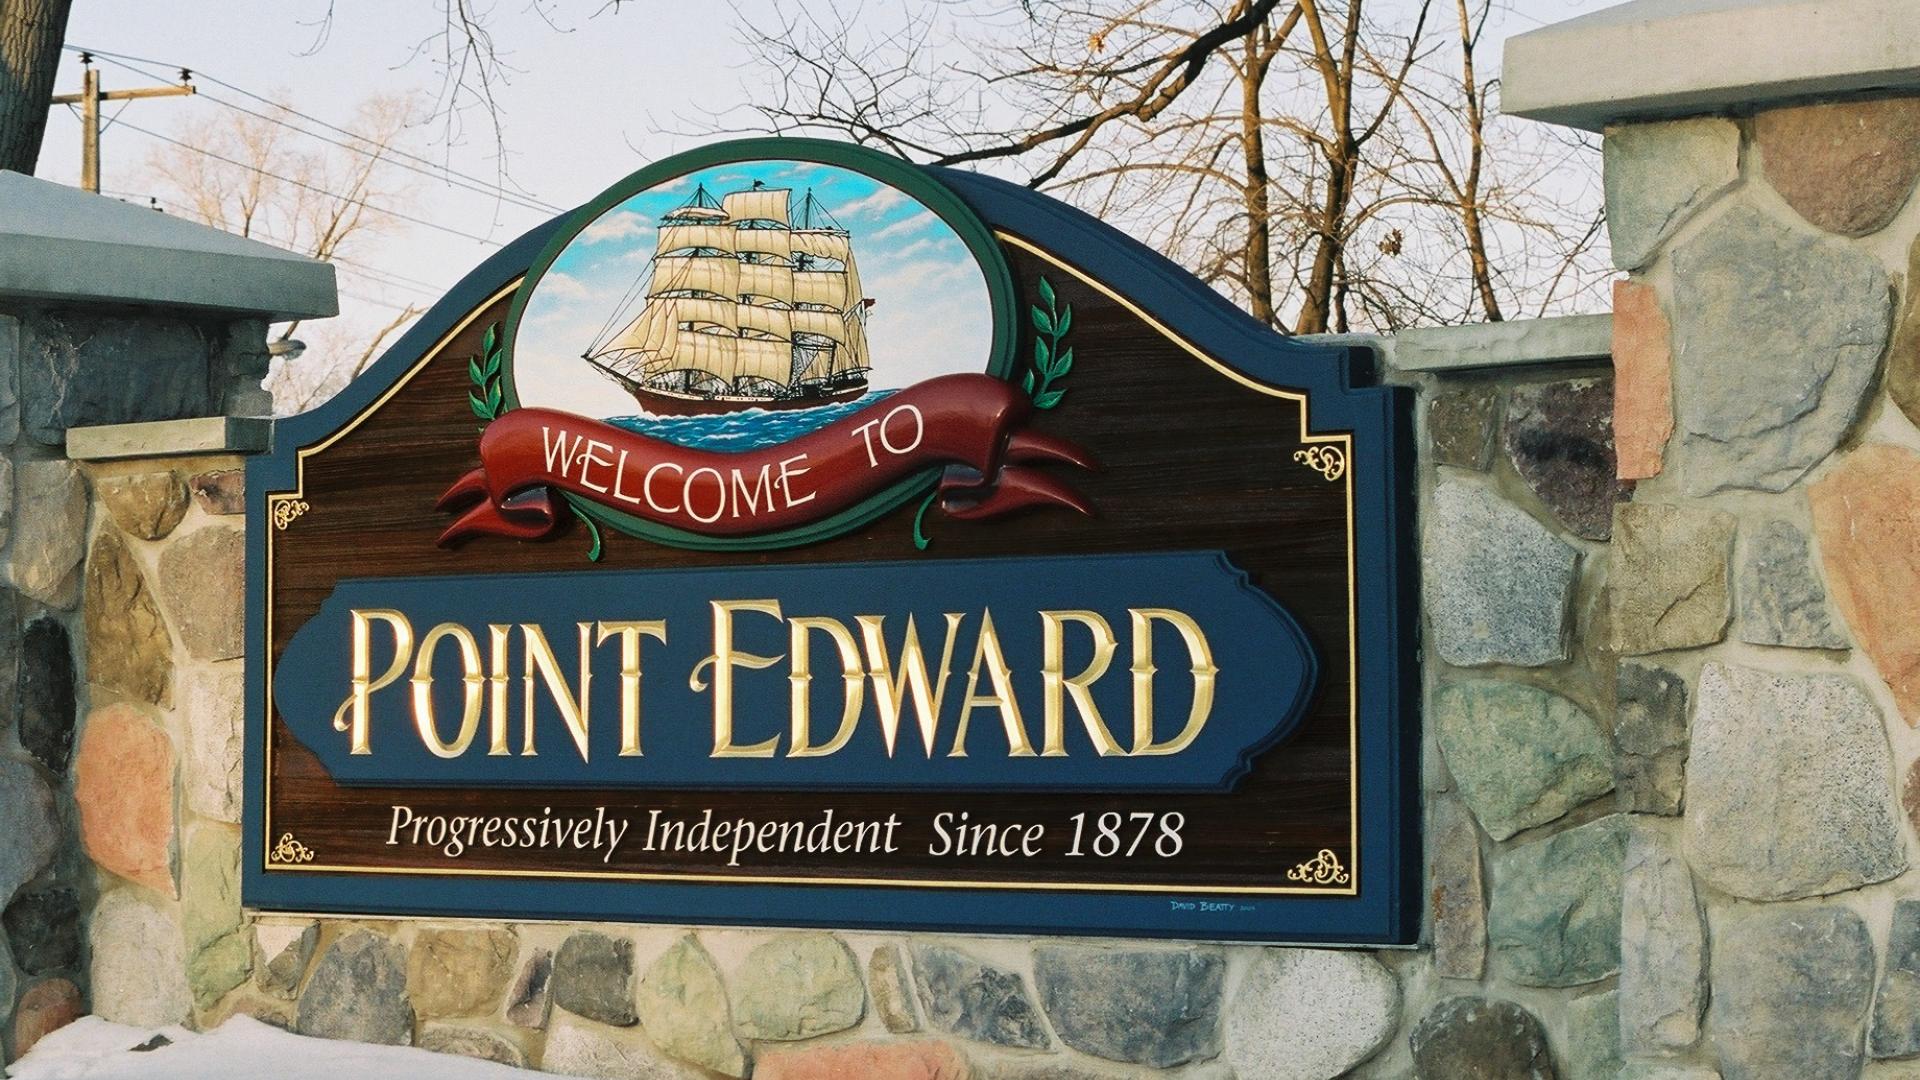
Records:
x=588, y=102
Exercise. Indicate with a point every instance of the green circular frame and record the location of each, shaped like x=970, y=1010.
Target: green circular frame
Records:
x=888, y=170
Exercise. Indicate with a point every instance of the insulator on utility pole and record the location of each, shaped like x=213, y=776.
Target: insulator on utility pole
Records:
x=89, y=99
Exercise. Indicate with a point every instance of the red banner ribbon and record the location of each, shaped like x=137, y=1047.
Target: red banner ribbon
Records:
x=972, y=424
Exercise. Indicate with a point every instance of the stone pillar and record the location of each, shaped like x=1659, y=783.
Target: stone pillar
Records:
x=1761, y=161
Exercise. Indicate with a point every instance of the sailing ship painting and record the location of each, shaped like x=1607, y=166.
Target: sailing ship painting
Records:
x=747, y=303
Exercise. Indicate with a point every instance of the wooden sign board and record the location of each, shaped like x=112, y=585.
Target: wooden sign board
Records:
x=795, y=536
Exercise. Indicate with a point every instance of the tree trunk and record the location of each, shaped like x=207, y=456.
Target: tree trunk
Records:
x=31, y=32
x=1254, y=183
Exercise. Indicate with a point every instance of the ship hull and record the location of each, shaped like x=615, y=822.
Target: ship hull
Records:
x=669, y=403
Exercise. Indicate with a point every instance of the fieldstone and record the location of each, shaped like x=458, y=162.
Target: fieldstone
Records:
x=282, y=953
x=1658, y=175
x=868, y=1061
x=472, y=1043
x=222, y=491
x=1663, y=952
x=9, y=981
x=11, y=647
x=139, y=971
x=1521, y=756
x=358, y=992
x=220, y=967
x=797, y=986
x=146, y=505
x=203, y=582
x=459, y=972
x=45, y=1008
x=593, y=977
x=1458, y=896
x=1667, y=585
x=1895, y=1032
x=963, y=995
x=46, y=697
x=1642, y=381
x=1847, y=166
x=578, y=1048
x=1778, y=336
x=1559, y=437
x=1649, y=738
x=32, y=823
x=1787, y=786
x=1460, y=425
x=1659, y=1070
x=530, y=998
x=209, y=885
x=1903, y=355
x=9, y=382
x=1781, y=599
x=1790, y=992
x=892, y=995
x=1310, y=1014
x=128, y=648
x=1476, y=1038
x=44, y=928
x=79, y=369
x=1158, y=1007
x=1555, y=916
x=50, y=531
x=683, y=1008
x=1498, y=584
x=123, y=785
x=1593, y=1037
x=1867, y=515
x=212, y=771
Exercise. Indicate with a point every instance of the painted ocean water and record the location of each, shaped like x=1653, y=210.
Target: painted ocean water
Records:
x=749, y=429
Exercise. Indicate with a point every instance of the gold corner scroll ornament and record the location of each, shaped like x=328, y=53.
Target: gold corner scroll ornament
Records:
x=286, y=510
x=1322, y=869
x=289, y=850
x=1328, y=461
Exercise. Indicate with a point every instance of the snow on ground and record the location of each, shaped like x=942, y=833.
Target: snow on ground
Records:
x=240, y=1049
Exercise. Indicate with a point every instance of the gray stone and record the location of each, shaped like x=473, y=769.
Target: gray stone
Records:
x=473, y=1043
x=1460, y=426
x=1158, y=1007
x=50, y=531
x=892, y=995
x=797, y=986
x=139, y=971
x=11, y=647
x=1778, y=336
x=45, y=930
x=684, y=1009
x=593, y=977
x=1667, y=582
x=530, y=998
x=1663, y=950
x=203, y=585
x=46, y=697
x=9, y=982
x=1657, y=1070
x=1476, y=1038
x=1310, y=1014
x=1592, y=1050
x=128, y=647
x=578, y=1048
x=9, y=380
x=1789, y=786
x=358, y=992
x=963, y=995
x=1498, y=584
x=1555, y=916
x=147, y=505
x=1790, y=992
x=282, y=954
x=1458, y=897
x=79, y=369
x=211, y=772
x=1781, y=599
x=221, y=492
x=1559, y=437
x=1649, y=738
x=1658, y=175
x=32, y=824
x=1896, y=1008
x=1520, y=756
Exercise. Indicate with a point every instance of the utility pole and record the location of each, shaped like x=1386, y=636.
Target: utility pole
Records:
x=89, y=99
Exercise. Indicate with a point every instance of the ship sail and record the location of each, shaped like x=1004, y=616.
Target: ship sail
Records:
x=741, y=308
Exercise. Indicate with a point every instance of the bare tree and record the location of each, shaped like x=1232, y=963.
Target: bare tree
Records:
x=31, y=32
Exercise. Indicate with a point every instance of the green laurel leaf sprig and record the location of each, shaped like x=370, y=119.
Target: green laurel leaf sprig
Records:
x=487, y=399
x=1051, y=363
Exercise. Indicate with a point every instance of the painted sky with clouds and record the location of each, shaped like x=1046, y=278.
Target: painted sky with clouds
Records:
x=932, y=314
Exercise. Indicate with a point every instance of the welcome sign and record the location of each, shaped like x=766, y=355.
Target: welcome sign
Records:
x=797, y=536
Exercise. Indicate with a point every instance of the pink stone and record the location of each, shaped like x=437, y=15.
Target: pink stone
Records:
x=1642, y=381
x=1867, y=515
x=1847, y=167
x=123, y=784
x=44, y=1009
x=868, y=1061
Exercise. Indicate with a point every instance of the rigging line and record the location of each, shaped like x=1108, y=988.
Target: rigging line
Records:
x=377, y=303
x=309, y=187
x=429, y=162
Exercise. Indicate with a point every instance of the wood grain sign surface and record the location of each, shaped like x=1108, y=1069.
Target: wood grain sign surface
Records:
x=716, y=554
